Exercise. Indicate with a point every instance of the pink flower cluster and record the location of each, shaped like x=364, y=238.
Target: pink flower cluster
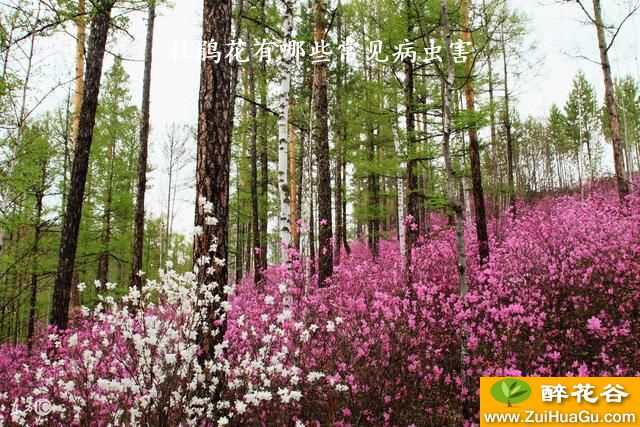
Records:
x=560, y=296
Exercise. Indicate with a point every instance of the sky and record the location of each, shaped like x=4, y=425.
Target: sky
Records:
x=557, y=35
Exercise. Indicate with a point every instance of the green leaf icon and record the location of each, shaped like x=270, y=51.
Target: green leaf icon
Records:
x=510, y=391
x=505, y=389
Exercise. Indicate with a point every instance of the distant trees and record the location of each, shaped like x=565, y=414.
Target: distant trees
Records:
x=38, y=175
x=15, y=85
x=565, y=150
x=357, y=139
x=112, y=173
x=177, y=158
x=627, y=94
x=610, y=97
x=582, y=122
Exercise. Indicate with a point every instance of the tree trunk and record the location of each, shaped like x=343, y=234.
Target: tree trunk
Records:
x=627, y=152
x=165, y=234
x=321, y=136
x=374, y=200
x=293, y=187
x=81, y=29
x=339, y=142
x=300, y=178
x=312, y=227
x=264, y=193
x=239, y=252
x=345, y=240
x=454, y=203
x=103, y=259
x=283, y=146
x=400, y=185
x=412, y=228
x=243, y=231
x=610, y=102
x=73, y=211
x=138, y=232
x=474, y=147
x=338, y=195
x=212, y=192
x=507, y=124
x=494, y=138
x=6, y=195
x=239, y=248
x=234, y=65
x=264, y=162
x=426, y=219
x=255, y=223
x=34, y=264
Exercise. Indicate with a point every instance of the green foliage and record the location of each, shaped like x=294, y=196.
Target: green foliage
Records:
x=107, y=221
x=32, y=183
x=627, y=94
x=581, y=111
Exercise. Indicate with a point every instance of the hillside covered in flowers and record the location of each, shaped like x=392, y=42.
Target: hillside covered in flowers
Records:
x=318, y=213
x=560, y=297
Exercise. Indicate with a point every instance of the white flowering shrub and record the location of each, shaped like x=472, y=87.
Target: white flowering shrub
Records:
x=136, y=361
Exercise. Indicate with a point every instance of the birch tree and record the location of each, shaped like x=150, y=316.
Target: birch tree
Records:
x=283, y=133
x=400, y=185
x=454, y=201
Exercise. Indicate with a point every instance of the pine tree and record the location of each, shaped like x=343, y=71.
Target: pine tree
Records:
x=474, y=148
x=71, y=225
x=581, y=112
x=321, y=141
x=212, y=182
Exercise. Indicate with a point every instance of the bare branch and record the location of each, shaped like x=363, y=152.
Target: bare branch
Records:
x=629, y=15
x=586, y=12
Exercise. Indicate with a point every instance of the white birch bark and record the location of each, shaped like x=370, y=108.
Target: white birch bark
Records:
x=466, y=195
x=454, y=201
x=400, y=184
x=283, y=135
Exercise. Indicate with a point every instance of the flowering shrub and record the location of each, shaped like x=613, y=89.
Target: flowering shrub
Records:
x=136, y=363
x=560, y=296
